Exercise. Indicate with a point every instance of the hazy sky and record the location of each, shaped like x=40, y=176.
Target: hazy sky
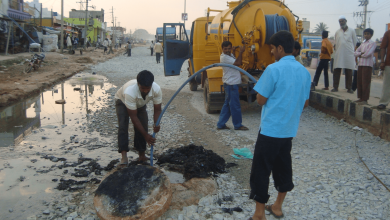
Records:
x=149, y=14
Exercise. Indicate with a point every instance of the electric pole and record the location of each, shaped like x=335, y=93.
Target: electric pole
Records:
x=184, y=13
x=86, y=25
x=113, y=22
x=365, y=14
x=62, y=26
x=81, y=4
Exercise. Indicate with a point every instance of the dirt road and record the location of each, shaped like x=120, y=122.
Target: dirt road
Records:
x=16, y=85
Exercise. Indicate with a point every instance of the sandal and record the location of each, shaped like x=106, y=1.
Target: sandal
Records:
x=381, y=106
x=269, y=209
x=224, y=128
x=242, y=128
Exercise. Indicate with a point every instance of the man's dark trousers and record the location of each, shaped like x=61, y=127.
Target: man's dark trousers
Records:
x=151, y=51
x=158, y=56
x=123, y=130
x=129, y=52
x=271, y=155
x=348, y=78
x=323, y=65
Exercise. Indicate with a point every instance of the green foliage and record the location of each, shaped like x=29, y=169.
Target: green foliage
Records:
x=320, y=28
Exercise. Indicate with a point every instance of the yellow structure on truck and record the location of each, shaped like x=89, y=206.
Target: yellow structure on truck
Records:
x=251, y=22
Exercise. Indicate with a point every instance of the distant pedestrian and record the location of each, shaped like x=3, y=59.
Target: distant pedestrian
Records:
x=75, y=42
x=159, y=49
x=69, y=44
x=283, y=91
x=105, y=45
x=385, y=67
x=151, y=48
x=110, y=46
x=325, y=56
x=231, y=80
x=365, y=52
x=128, y=49
x=346, y=40
x=120, y=43
x=297, y=52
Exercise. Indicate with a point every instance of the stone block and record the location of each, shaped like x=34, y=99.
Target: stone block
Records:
x=135, y=192
x=190, y=192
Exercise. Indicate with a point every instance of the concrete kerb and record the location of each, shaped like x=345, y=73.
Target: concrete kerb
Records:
x=375, y=121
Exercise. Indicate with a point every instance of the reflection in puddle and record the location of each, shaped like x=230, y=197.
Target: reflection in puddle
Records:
x=82, y=94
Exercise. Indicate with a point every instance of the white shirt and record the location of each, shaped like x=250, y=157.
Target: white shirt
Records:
x=130, y=95
x=345, y=47
x=230, y=75
x=105, y=43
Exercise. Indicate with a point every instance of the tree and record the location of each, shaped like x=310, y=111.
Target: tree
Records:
x=320, y=28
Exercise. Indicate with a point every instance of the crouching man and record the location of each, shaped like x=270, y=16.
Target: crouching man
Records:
x=131, y=100
x=283, y=91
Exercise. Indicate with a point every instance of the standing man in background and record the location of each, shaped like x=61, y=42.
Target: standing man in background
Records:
x=105, y=45
x=385, y=67
x=325, y=56
x=151, y=48
x=231, y=79
x=110, y=46
x=159, y=49
x=365, y=52
x=344, y=58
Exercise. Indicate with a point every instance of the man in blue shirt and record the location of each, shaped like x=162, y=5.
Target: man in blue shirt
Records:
x=283, y=91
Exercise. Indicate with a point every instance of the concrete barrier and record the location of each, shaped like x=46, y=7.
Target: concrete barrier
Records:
x=375, y=121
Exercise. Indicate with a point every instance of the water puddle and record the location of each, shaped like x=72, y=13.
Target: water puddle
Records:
x=82, y=94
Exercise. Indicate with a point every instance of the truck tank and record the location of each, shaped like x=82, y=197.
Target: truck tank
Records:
x=251, y=22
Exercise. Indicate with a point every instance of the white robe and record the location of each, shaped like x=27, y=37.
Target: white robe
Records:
x=345, y=47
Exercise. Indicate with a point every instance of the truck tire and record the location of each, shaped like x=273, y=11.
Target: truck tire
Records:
x=193, y=85
x=213, y=102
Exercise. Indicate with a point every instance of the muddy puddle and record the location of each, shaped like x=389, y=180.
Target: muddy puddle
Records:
x=42, y=144
x=82, y=94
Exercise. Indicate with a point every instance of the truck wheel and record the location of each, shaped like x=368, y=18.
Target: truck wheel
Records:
x=193, y=85
x=212, y=102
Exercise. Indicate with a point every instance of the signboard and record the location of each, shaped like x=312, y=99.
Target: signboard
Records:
x=184, y=16
x=55, y=14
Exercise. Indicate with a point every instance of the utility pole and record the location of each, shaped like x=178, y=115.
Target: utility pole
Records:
x=113, y=22
x=41, y=15
x=86, y=25
x=51, y=16
x=184, y=13
x=62, y=26
x=81, y=5
x=365, y=13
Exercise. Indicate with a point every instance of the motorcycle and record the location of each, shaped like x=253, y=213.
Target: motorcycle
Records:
x=34, y=63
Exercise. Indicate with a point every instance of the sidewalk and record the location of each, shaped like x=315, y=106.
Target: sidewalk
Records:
x=375, y=94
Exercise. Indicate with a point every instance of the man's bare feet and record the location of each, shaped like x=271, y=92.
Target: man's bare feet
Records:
x=274, y=210
x=258, y=217
x=142, y=157
x=124, y=160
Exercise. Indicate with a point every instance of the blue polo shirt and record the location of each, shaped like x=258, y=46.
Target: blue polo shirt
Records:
x=286, y=85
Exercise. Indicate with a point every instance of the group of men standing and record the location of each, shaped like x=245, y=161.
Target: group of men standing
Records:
x=357, y=60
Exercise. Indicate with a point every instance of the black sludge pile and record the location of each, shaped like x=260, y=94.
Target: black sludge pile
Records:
x=192, y=161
